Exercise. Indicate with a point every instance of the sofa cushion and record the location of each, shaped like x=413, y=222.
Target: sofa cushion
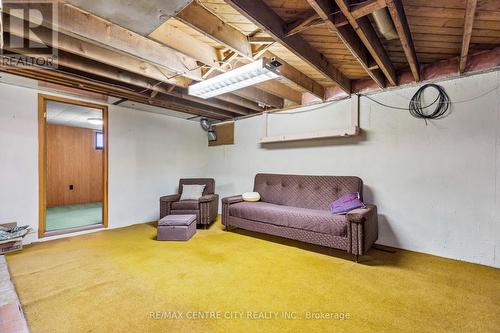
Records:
x=313, y=192
x=185, y=205
x=192, y=192
x=321, y=221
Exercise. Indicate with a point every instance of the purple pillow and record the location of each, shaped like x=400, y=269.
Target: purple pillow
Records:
x=346, y=203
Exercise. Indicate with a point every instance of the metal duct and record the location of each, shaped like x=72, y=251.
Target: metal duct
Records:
x=384, y=24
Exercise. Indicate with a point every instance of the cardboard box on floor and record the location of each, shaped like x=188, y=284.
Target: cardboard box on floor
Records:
x=10, y=245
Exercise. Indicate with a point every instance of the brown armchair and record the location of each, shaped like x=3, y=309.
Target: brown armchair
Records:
x=205, y=208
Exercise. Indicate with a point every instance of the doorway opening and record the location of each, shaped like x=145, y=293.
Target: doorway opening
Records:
x=73, y=165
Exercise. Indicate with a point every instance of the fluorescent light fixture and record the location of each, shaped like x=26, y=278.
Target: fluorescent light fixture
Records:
x=95, y=121
x=241, y=77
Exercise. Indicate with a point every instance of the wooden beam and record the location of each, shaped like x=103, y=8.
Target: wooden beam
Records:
x=195, y=16
x=259, y=51
x=279, y=89
x=295, y=76
x=186, y=44
x=270, y=22
x=124, y=62
x=366, y=8
x=470, y=11
x=398, y=15
x=358, y=11
x=248, y=104
x=310, y=19
x=86, y=26
x=260, y=96
x=260, y=40
x=227, y=59
x=100, y=54
x=203, y=20
x=164, y=101
x=348, y=36
x=368, y=36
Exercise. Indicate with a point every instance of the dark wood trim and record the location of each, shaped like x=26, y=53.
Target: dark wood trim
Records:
x=42, y=162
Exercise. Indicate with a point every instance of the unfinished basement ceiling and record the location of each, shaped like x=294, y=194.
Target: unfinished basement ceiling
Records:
x=149, y=52
x=141, y=17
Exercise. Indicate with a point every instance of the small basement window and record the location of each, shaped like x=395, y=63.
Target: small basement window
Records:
x=99, y=140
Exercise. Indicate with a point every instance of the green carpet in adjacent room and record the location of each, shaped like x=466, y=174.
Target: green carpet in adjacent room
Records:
x=69, y=216
x=123, y=280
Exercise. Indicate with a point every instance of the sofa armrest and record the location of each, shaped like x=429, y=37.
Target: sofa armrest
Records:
x=362, y=228
x=226, y=203
x=360, y=215
x=208, y=198
x=231, y=200
x=170, y=198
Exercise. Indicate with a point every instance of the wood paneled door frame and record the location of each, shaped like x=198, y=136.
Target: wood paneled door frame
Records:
x=42, y=164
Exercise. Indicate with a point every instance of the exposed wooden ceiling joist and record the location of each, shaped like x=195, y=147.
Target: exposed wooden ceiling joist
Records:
x=224, y=62
x=398, y=15
x=187, y=44
x=368, y=36
x=121, y=61
x=312, y=19
x=195, y=16
x=112, y=73
x=142, y=17
x=82, y=25
x=349, y=37
x=297, y=77
x=276, y=88
x=470, y=11
x=164, y=101
x=260, y=96
x=201, y=19
x=100, y=54
x=270, y=22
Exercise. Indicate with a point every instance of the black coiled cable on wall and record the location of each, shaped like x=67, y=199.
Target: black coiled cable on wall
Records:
x=442, y=100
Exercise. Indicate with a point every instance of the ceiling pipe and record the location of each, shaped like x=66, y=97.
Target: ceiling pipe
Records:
x=384, y=24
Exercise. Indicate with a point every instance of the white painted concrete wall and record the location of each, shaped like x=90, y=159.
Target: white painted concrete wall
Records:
x=437, y=187
x=148, y=153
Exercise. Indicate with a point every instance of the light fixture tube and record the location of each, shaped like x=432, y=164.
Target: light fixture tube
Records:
x=95, y=121
x=241, y=77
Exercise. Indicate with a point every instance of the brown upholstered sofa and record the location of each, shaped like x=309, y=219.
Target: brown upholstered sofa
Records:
x=297, y=207
x=205, y=208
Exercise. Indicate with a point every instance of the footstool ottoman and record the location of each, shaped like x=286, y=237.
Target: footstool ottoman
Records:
x=176, y=228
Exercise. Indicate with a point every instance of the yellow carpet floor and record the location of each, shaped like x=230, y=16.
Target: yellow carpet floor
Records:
x=123, y=280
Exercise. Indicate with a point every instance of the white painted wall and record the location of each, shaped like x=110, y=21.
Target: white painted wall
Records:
x=436, y=187
x=148, y=153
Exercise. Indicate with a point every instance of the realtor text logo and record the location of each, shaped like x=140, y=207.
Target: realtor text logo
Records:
x=28, y=33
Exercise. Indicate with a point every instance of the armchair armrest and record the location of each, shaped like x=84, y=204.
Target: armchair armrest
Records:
x=170, y=198
x=361, y=215
x=165, y=203
x=209, y=207
x=232, y=199
x=208, y=198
